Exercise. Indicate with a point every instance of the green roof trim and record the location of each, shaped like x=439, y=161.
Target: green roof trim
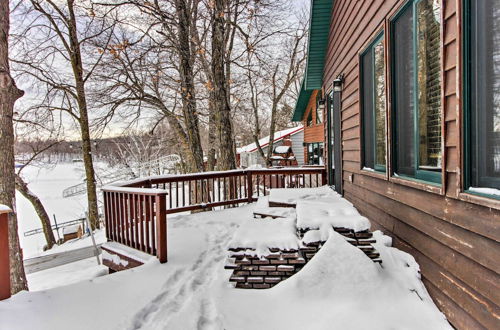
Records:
x=319, y=28
x=301, y=105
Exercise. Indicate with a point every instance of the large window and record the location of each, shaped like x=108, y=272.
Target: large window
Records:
x=373, y=105
x=315, y=153
x=416, y=49
x=482, y=92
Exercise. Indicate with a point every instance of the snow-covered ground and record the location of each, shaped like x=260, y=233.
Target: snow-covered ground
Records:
x=48, y=183
x=340, y=288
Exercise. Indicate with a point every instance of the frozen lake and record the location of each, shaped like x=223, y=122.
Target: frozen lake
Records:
x=48, y=184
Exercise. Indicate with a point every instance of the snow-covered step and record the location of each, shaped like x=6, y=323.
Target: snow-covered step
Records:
x=118, y=257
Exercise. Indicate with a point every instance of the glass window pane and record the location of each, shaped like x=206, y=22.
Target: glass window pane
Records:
x=485, y=93
x=379, y=78
x=367, y=104
x=429, y=83
x=403, y=92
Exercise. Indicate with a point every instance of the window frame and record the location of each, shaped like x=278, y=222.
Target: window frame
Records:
x=433, y=178
x=314, y=145
x=467, y=103
x=379, y=37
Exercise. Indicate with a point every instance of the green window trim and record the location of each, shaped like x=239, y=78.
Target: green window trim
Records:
x=467, y=105
x=371, y=49
x=420, y=175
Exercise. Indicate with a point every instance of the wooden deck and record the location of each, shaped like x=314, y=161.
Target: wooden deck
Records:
x=136, y=212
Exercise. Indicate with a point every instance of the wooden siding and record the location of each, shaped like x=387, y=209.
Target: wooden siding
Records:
x=453, y=236
x=316, y=132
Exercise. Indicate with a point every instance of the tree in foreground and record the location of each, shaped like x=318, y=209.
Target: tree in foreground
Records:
x=9, y=94
x=65, y=61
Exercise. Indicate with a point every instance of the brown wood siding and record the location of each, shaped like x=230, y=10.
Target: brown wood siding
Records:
x=314, y=133
x=453, y=236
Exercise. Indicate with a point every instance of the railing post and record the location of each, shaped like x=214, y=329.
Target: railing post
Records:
x=324, y=175
x=161, y=227
x=4, y=253
x=249, y=187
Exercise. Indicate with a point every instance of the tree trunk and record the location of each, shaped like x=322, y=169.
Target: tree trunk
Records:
x=9, y=93
x=271, y=136
x=227, y=158
x=187, y=85
x=212, y=137
x=77, y=66
x=22, y=187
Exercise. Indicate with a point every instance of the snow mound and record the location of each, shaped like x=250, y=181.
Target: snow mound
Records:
x=315, y=235
x=291, y=196
x=337, y=268
x=315, y=215
x=264, y=234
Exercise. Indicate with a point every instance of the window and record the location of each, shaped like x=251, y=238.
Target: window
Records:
x=482, y=93
x=416, y=69
x=319, y=108
x=373, y=100
x=315, y=153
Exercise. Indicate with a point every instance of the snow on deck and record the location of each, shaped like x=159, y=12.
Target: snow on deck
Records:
x=264, y=234
x=338, y=289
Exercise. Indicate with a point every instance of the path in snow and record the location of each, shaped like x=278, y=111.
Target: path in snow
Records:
x=186, y=283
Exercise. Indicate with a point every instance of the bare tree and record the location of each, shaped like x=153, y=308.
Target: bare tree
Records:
x=220, y=95
x=38, y=148
x=9, y=94
x=271, y=75
x=64, y=61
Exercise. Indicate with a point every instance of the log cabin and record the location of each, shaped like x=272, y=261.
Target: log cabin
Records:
x=412, y=134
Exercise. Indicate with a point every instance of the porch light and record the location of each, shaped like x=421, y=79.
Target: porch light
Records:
x=338, y=82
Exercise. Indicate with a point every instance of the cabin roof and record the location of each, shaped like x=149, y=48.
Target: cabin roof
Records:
x=319, y=27
x=264, y=142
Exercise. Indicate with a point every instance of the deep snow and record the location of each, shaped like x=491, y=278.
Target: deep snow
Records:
x=340, y=288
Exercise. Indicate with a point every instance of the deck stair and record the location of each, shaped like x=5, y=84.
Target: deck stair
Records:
x=252, y=272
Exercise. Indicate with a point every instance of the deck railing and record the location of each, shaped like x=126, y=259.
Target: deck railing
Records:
x=135, y=212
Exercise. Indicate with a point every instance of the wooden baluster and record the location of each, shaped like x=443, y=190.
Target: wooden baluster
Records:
x=170, y=195
x=119, y=218
x=134, y=223
x=196, y=192
x=127, y=219
x=142, y=208
x=154, y=214
x=218, y=188
x=249, y=186
x=202, y=188
x=106, y=213
x=189, y=192
x=115, y=217
x=177, y=194
x=183, y=193
x=146, y=224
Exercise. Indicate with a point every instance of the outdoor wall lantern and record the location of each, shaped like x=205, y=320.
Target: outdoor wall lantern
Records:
x=321, y=105
x=338, y=82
